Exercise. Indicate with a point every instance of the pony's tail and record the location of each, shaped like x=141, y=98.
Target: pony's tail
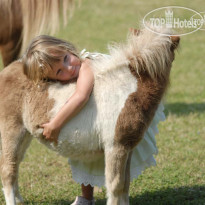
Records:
x=42, y=17
x=149, y=52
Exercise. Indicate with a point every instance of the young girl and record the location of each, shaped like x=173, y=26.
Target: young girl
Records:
x=54, y=59
x=48, y=58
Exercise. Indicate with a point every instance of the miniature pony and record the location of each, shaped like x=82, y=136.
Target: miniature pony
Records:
x=129, y=85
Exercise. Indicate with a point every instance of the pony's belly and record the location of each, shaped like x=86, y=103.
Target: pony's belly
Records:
x=73, y=147
x=79, y=142
x=76, y=152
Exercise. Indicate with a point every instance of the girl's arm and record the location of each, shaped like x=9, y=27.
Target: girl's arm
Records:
x=74, y=104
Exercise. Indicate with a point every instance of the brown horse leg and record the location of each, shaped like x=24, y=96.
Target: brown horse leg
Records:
x=25, y=142
x=117, y=162
x=127, y=178
x=14, y=143
x=10, y=50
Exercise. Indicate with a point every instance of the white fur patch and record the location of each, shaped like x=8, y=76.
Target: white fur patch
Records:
x=9, y=195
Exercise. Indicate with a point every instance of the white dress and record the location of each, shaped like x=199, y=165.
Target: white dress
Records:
x=142, y=157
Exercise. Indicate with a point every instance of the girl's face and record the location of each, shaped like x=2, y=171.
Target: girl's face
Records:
x=66, y=69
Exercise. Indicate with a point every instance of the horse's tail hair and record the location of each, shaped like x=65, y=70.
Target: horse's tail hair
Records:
x=42, y=17
x=6, y=10
x=146, y=51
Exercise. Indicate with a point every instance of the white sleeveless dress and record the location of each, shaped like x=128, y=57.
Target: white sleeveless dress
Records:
x=142, y=157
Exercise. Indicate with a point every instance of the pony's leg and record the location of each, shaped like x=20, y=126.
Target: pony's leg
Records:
x=12, y=141
x=127, y=179
x=21, y=151
x=18, y=197
x=116, y=169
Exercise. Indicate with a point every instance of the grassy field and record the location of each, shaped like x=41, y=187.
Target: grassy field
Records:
x=179, y=177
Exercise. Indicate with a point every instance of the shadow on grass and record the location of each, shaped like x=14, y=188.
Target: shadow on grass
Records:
x=54, y=202
x=179, y=196
x=171, y=196
x=184, y=108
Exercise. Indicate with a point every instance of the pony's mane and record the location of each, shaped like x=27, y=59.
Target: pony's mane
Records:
x=146, y=51
x=6, y=9
x=38, y=16
x=42, y=17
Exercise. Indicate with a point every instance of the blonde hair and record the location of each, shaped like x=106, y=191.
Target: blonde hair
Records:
x=42, y=52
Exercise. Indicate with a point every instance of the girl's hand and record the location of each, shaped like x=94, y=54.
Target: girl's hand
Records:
x=51, y=132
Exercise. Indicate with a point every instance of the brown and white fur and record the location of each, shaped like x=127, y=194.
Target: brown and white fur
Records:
x=129, y=86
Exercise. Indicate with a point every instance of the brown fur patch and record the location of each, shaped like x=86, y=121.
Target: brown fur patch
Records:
x=23, y=105
x=18, y=93
x=139, y=109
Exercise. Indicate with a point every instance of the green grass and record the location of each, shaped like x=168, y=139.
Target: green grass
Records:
x=179, y=177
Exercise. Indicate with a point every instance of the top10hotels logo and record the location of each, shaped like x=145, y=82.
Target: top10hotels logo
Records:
x=181, y=20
